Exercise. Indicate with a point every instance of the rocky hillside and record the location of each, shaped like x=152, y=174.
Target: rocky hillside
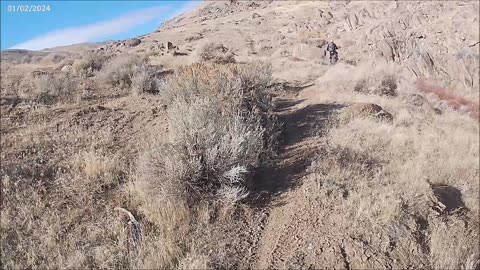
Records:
x=412, y=34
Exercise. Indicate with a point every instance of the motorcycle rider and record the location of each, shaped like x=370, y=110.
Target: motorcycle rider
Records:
x=332, y=48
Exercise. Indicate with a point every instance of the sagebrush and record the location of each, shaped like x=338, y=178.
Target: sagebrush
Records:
x=215, y=53
x=53, y=87
x=216, y=132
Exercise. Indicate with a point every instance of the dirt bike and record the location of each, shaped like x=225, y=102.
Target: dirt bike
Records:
x=333, y=57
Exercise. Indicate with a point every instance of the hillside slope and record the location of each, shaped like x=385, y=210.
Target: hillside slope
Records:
x=412, y=34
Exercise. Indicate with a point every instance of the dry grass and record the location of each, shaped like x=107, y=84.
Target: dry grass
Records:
x=382, y=176
x=67, y=223
x=48, y=87
x=460, y=73
x=346, y=84
x=60, y=186
x=195, y=262
x=368, y=78
x=54, y=203
x=166, y=224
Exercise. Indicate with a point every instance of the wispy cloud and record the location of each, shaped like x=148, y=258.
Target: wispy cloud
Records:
x=86, y=33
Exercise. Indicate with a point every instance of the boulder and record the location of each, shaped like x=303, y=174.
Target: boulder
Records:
x=133, y=42
x=67, y=68
x=416, y=100
x=366, y=110
x=421, y=103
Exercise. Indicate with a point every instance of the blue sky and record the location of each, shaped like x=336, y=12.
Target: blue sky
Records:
x=71, y=22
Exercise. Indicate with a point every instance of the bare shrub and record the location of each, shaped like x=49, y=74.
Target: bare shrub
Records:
x=360, y=86
x=255, y=77
x=382, y=85
x=215, y=53
x=53, y=87
x=16, y=81
x=143, y=80
x=388, y=86
x=90, y=63
x=216, y=136
x=369, y=78
x=120, y=70
x=215, y=139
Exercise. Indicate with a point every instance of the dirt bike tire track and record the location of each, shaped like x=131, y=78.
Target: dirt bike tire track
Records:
x=300, y=139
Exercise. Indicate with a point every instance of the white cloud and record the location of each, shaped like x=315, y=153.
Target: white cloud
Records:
x=86, y=33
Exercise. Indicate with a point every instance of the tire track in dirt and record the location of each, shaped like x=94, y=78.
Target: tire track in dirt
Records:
x=300, y=140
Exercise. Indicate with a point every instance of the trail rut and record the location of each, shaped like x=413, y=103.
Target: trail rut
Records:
x=303, y=126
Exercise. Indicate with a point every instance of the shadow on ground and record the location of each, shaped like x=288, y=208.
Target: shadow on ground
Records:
x=302, y=128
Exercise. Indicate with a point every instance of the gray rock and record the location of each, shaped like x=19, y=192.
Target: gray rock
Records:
x=133, y=42
x=67, y=68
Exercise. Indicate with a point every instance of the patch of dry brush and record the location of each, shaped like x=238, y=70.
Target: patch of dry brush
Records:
x=411, y=192
x=54, y=87
x=217, y=133
x=217, y=136
x=56, y=204
x=129, y=71
x=403, y=193
x=89, y=63
x=215, y=53
x=60, y=187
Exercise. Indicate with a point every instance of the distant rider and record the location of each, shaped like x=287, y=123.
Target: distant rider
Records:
x=332, y=48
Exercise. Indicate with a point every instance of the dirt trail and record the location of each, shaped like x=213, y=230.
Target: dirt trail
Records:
x=302, y=130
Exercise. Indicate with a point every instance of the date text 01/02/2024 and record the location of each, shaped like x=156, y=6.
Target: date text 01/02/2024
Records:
x=28, y=8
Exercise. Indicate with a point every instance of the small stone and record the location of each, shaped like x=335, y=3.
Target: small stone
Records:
x=168, y=45
x=367, y=110
x=67, y=68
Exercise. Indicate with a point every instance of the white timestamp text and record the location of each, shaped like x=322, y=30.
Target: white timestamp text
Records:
x=28, y=8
